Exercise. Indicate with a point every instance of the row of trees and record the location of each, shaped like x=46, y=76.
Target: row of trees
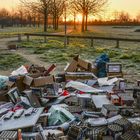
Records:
x=37, y=12
x=86, y=8
x=57, y=7
x=124, y=17
x=20, y=17
x=46, y=9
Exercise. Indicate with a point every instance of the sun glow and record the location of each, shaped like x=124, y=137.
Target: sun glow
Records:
x=79, y=18
x=132, y=7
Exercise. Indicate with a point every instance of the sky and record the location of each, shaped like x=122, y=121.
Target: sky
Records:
x=130, y=6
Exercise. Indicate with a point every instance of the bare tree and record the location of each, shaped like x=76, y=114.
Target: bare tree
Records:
x=115, y=15
x=41, y=6
x=57, y=8
x=4, y=15
x=138, y=17
x=20, y=14
x=87, y=7
x=73, y=11
x=124, y=17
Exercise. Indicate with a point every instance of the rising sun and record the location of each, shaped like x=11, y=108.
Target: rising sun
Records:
x=79, y=17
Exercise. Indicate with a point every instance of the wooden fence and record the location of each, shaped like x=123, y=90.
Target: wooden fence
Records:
x=92, y=38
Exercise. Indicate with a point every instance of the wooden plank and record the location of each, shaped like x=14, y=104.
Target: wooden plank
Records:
x=86, y=37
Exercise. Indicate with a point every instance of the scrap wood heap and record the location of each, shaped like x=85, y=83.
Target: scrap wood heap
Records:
x=86, y=101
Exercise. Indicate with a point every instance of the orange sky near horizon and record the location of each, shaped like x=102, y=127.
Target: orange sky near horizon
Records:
x=130, y=6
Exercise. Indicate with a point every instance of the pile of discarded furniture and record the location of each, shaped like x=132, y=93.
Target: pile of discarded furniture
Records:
x=88, y=101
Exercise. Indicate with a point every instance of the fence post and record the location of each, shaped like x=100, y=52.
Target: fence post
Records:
x=67, y=40
x=45, y=39
x=117, y=43
x=92, y=43
x=28, y=38
x=19, y=37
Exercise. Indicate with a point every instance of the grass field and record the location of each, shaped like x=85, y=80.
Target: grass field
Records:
x=54, y=51
x=10, y=61
x=12, y=31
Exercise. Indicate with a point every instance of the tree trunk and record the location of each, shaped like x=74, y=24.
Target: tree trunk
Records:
x=74, y=21
x=57, y=23
x=83, y=22
x=83, y=17
x=12, y=21
x=39, y=21
x=30, y=22
x=34, y=22
x=86, y=22
x=53, y=22
x=38, y=24
x=21, y=22
x=45, y=20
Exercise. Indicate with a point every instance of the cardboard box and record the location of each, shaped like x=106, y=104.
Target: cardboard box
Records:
x=72, y=67
x=78, y=63
x=3, y=96
x=28, y=80
x=10, y=84
x=36, y=69
x=83, y=64
x=36, y=75
x=77, y=76
x=41, y=69
x=41, y=81
x=37, y=82
x=94, y=70
x=16, y=81
x=19, y=83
